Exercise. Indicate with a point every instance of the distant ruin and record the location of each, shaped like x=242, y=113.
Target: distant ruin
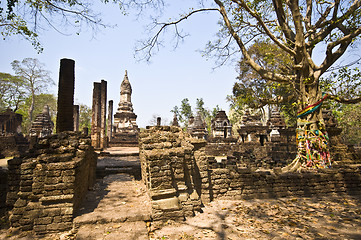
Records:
x=42, y=126
x=12, y=141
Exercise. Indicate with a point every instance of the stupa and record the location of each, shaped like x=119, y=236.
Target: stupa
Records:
x=42, y=125
x=125, y=129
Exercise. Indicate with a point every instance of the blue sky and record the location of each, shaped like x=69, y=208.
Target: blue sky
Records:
x=157, y=86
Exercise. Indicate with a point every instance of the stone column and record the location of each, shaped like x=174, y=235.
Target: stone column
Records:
x=110, y=120
x=76, y=118
x=103, y=114
x=159, y=120
x=95, y=127
x=64, y=119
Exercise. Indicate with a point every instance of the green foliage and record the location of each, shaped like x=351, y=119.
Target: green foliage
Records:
x=345, y=83
x=252, y=91
x=40, y=101
x=185, y=112
x=349, y=119
x=12, y=91
x=34, y=77
x=85, y=115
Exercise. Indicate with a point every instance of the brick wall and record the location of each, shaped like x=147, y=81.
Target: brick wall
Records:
x=3, y=188
x=169, y=172
x=47, y=186
x=180, y=175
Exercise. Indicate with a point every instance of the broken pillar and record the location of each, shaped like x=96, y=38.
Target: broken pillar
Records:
x=95, y=126
x=64, y=119
x=76, y=118
x=103, y=114
x=159, y=121
x=110, y=119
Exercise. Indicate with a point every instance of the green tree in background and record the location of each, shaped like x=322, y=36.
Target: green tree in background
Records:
x=40, y=101
x=35, y=80
x=184, y=112
x=12, y=91
x=85, y=116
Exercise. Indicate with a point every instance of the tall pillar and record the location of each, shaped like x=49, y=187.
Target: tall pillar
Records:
x=110, y=119
x=76, y=118
x=95, y=127
x=103, y=114
x=64, y=119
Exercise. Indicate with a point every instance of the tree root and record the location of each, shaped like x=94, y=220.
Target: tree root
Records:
x=294, y=166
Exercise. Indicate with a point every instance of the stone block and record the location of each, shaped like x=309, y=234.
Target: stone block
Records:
x=43, y=221
x=166, y=204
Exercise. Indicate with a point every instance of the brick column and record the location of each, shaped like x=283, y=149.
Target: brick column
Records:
x=103, y=114
x=95, y=127
x=64, y=120
x=110, y=120
x=76, y=118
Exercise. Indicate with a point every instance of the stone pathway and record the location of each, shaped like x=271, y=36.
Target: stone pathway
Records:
x=118, y=207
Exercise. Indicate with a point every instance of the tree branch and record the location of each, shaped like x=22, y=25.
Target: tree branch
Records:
x=262, y=72
x=264, y=27
x=151, y=44
x=344, y=100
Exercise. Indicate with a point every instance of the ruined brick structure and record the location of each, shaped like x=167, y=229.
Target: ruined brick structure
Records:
x=197, y=127
x=125, y=129
x=170, y=173
x=12, y=141
x=76, y=117
x=3, y=189
x=42, y=125
x=47, y=185
x=221, y=126
x=98, y=131
x=10, y=122
x=180, y=176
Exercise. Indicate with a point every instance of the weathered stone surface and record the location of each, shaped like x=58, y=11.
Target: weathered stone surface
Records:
x=46, y=189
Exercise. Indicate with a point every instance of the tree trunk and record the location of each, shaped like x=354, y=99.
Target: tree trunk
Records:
x=311, y=136
x=31, y=110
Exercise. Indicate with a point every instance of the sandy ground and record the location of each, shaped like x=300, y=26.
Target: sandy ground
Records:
x=285, y=218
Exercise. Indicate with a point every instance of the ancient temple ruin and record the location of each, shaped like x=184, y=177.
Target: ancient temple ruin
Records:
x=125, y=129
x=98, y=131
x=252, y=129
x=10, y=122
x=42, y=125
x=221, y=126
x=12, y=141
x=197, y=127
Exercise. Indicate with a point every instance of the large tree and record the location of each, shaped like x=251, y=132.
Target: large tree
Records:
x=301, y=30
x=35, y=79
